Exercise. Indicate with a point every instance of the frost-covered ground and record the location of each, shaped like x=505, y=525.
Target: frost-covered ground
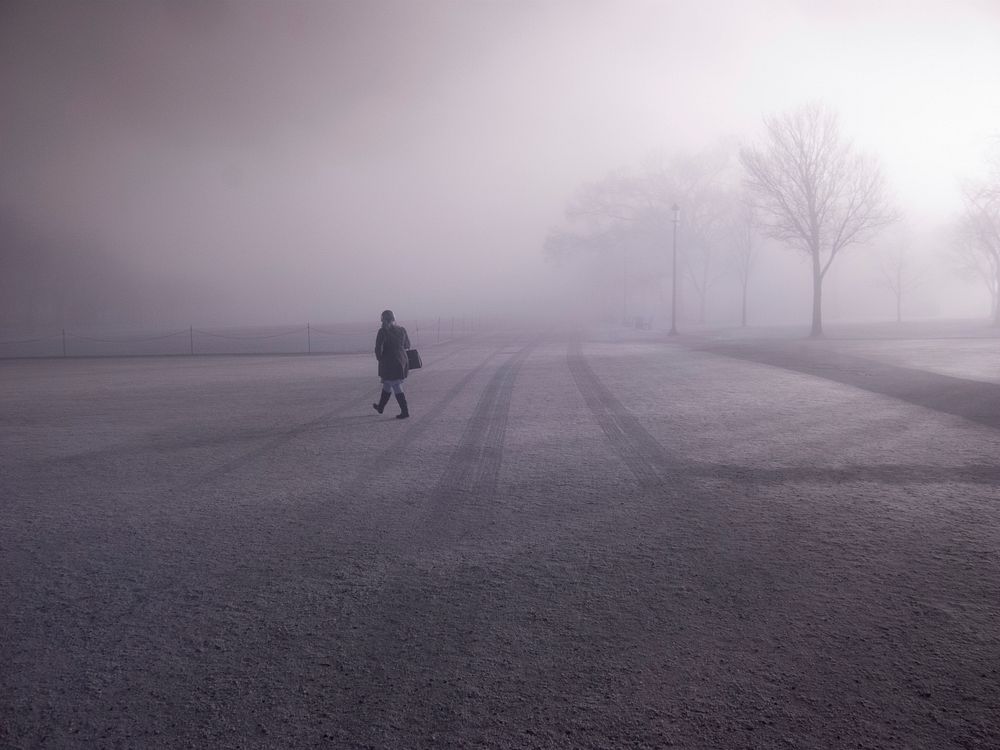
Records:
x=605, y=541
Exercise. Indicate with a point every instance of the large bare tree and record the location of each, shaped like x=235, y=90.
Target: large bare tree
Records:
x=814, y=191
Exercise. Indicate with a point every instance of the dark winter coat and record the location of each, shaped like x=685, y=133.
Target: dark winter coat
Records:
x=391, y=343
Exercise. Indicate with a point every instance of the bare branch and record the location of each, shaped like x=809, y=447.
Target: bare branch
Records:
x=813, y=191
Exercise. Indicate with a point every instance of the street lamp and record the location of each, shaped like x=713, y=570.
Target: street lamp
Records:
x=673, y=296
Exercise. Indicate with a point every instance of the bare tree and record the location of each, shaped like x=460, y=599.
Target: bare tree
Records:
x=814, y=191
x=978, y=248
x=705, y=236
x=898, y=274
x=975, y=262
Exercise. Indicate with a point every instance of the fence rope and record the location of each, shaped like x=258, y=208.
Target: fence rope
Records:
x=249, y=336
x=124, y=340
x=339, y=333
x=32, y=341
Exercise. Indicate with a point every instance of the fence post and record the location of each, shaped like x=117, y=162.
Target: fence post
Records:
x=309, y=346
x=191, y=338
x=64, y=341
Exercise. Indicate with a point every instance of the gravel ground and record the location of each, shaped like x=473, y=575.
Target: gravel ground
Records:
x=576, y=542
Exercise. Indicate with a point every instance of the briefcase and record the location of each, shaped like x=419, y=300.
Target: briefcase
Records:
x=413, y=357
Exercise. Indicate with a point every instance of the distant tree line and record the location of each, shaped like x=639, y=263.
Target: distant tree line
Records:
x=801, y=185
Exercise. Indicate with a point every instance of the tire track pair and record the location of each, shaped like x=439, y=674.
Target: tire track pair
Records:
x=475, y=464
x=473, y=470
x=470, y=479
x=389, y=455
x=354, y=506
x=640, y=451
x=318, y=511
x=275, y=439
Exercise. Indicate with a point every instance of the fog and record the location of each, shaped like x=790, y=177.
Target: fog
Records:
x=266, y=162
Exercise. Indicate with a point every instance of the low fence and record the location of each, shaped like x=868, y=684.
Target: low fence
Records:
x=302, y=339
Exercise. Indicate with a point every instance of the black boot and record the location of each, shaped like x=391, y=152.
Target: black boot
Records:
x=401, y=398
x=383, y=400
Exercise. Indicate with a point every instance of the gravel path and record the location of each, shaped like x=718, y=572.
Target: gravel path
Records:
x=574, y=543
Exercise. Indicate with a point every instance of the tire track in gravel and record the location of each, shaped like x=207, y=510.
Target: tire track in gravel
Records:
x=392, y=585
x=366, y=519
x=641, y=452
x=473, y=469
x=317, y=517
x=278, y=439
x=286, y=435
x=389, y=456
x=475, y=464
x=749, y=565
x=470, y=479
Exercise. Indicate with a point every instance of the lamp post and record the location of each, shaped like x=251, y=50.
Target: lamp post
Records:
x=624, y=284
x=673, y=277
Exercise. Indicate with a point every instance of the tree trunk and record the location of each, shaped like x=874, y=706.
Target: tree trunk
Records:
x=817, y=321
x=743, y=316
x=996, y=299
x=624, y=288
x=899, y=291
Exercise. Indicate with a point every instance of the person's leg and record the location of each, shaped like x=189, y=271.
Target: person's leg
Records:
x=397, y=388
x=383, y=399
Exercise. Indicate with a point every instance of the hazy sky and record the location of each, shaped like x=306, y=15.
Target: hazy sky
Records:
x=317, y=160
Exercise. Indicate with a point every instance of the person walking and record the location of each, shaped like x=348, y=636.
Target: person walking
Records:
x=391, y=343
